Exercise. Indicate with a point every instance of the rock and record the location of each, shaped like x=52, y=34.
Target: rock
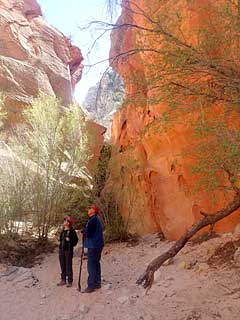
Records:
x=43, y=295
x=236, y=257
x=185, y=265
x=24, y=274
x=123, y=299
x=211, y=250
x=34, y=56
x=19, y=274
x=7, y=272
x=107, y=286
x=84, y=309
x=201, y=267
x=101, y=102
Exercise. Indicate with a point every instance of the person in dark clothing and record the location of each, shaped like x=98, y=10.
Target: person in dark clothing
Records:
x=93, y=241
x=68, y=240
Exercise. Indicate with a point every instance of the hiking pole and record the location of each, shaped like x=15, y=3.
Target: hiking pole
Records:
x=80, y=270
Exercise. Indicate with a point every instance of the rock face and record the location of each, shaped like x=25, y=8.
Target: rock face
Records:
x=34, y=56
x=104, y=99
x=153, y=193
x=19, y=274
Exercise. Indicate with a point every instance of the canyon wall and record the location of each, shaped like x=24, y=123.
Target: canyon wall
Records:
x=36, y=57
x=153, y=192
x=102, y=100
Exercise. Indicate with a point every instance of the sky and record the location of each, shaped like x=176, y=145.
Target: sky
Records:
x=68, y=16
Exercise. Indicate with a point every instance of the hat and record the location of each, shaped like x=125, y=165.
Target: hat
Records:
x=95, y=208
x=68, y=219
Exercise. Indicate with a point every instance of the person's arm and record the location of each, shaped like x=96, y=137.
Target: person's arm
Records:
x=74, y=238
x=60, y=236
x=91, y=228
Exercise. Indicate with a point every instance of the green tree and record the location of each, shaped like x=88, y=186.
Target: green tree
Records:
x=48, y=169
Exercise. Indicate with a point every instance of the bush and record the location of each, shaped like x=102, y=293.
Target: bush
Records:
x=102, y=171
x=44, y=173
x=114, y=227
x=113, y=224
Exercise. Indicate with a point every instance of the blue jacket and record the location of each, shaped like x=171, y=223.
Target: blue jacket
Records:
x=93, y=233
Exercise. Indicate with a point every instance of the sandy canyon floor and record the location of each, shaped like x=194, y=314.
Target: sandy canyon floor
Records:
x=189, y=288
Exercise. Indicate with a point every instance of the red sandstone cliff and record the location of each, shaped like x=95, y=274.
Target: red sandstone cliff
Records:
x=34, y=56
x=153, y=193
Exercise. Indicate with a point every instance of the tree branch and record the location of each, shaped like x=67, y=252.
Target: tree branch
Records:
x=230, y=178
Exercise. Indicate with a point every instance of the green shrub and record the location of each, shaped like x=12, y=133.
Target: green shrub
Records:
x=114, y=226
x=44, y=174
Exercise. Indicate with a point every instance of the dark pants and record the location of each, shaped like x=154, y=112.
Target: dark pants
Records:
x=94, y=267
x=65, y=259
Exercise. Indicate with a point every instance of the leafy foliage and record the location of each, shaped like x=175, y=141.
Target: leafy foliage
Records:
x=44, y=173
x=114, y=226
x=102, y=171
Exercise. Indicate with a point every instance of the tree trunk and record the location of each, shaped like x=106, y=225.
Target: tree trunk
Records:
x=146, y=280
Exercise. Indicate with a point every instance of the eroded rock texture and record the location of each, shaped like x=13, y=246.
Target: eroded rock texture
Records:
x=34, y=56
x=153, y=192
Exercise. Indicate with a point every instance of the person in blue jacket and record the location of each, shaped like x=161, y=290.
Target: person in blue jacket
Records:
x=93, y=241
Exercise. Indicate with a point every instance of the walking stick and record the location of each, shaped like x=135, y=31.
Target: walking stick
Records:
x=80, y=271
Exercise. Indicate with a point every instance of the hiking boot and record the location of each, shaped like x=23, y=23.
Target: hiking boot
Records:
x=69, y=285
x=98, y=286
x=61, y=283
x=88, y=290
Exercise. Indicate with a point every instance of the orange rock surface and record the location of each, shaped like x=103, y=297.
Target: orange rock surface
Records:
x=153, y=193
x=34, y=56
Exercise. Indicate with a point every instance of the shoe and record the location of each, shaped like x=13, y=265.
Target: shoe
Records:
x=88, y=290
x=69, y=285
x=61, y=283
x=98, y=286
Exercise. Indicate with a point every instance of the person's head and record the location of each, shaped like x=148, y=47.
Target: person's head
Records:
x=67, y=222
x=92, y=211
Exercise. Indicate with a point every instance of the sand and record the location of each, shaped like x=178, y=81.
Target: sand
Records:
x=187, y=289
